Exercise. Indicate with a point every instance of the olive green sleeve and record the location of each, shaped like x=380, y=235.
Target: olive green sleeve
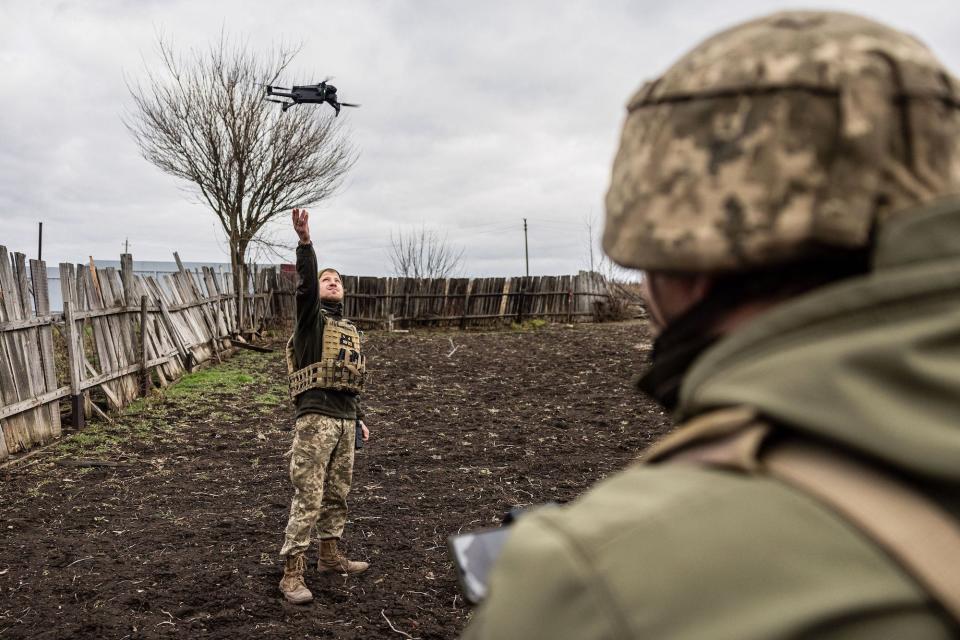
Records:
x=542, y=587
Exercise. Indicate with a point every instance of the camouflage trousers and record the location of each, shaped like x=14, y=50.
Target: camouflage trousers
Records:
x=321, y=469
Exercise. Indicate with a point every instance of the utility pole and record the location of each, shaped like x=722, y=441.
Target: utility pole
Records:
x=40, y=244
x=526, y=247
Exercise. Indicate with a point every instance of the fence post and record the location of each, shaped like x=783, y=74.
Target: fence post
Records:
x=144, y=372
x=523, y=294
x=73, y=357
x=271, y=302
x=446, y=292
x=505, y=298
x=577, y=297
x=466, y=306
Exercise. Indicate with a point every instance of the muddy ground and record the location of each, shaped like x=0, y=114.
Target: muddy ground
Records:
x=180, y=538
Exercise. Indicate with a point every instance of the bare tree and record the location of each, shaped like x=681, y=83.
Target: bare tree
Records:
x=424, y=253
x=591, y=221
x=203, y=119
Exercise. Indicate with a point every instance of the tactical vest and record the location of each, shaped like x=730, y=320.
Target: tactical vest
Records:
x=918, y=534
x=341, y=367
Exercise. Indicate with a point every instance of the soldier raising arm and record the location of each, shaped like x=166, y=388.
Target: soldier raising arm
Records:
x=327, y=372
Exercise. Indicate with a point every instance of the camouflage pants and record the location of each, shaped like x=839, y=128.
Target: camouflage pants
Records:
x=321, y=468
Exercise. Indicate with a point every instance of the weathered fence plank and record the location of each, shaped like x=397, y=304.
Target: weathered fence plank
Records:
x=20, y=430
x=41, y=296
x=30, y=339
x=107, y=347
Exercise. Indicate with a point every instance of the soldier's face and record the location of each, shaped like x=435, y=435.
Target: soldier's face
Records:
x=669, y=296
x=331, y=289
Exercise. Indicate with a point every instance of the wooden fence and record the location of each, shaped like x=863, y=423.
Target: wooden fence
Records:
x=120, y=333
x=465, y=302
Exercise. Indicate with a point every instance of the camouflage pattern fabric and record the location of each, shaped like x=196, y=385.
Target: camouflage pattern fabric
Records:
x=321, y=469
x=786, y=132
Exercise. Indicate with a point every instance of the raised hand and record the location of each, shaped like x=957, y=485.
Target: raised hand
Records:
x=300, y=225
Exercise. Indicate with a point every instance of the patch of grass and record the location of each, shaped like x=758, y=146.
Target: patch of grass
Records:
x=164, y=413
x=165, y=426
x=96, y=438
x=529, y=325
x=35, y=492
x=141, y=428
x=137, y=406
x=207, y=381
x=271, y=398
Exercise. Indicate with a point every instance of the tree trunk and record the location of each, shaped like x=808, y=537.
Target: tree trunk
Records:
x=238, y=252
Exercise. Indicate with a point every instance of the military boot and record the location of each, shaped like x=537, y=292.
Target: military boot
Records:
x=332, y=560
x=292, y=585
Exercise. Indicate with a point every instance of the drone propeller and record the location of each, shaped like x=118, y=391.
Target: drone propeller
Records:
x=348, y=104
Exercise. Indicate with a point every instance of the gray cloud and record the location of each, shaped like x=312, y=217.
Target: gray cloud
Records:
x=475, y=115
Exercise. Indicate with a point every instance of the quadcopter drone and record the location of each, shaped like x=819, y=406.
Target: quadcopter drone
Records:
x=308, y=94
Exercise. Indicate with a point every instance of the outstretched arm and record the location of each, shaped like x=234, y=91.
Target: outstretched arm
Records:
x=308, y=287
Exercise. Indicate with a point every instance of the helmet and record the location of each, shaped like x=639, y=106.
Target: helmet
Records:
x=779, y=137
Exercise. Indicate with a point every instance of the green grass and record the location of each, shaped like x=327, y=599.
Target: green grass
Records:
x=219, y=380
x=272, y=398
x=161, y=414
x=95, y=438
x=529, y=325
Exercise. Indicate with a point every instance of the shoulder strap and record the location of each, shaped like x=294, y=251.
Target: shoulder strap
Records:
x=915, y=531
x=920, y=536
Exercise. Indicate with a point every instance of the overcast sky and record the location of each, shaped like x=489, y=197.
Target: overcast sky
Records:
x=475, y=115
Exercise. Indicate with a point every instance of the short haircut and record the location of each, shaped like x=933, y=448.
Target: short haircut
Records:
x=325, y=269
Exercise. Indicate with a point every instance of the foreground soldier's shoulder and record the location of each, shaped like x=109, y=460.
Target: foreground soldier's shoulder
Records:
x=676, y=551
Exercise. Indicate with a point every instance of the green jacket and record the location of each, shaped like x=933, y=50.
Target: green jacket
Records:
x=871, y=365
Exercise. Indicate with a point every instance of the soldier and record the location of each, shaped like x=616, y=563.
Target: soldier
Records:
x=790, y=188
x=327, y=371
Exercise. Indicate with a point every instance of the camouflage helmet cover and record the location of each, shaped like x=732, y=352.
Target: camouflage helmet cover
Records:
x=787, y=132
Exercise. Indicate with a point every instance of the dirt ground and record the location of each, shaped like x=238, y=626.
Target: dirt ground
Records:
x=180, y=537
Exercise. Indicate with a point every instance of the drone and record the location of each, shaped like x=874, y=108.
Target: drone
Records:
x=308, y=94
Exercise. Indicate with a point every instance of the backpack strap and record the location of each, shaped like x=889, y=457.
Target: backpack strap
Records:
x=913, y=530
